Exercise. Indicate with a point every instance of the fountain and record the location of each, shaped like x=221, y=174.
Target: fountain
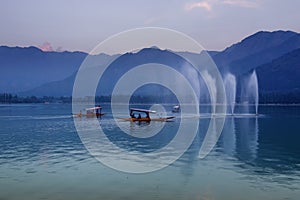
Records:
x=211, y=86
x=230, y=88
x=253, y=89
x=249, y=92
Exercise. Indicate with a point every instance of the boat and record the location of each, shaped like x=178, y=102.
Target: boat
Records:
x=142, y=115
x=176, y=109
x=91, y=112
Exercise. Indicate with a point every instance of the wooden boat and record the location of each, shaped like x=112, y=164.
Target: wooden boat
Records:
x=142, y=115
x=91, y=112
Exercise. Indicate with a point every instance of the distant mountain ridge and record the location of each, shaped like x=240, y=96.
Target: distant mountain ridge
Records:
x=281, y=75
x=29, y=67
x=256, y=43
x=257, y=49
x=30, y=71
x=115, y=71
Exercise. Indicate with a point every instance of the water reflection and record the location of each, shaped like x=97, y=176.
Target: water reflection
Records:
x=247, y=139
x=239, y=137
x=254, y=157
x=188, y=162
x=228, y=137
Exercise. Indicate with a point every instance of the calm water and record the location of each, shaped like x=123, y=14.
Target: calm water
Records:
x=42, y=157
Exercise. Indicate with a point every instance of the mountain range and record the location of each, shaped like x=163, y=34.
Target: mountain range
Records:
x=257, y=49
x=274, y=55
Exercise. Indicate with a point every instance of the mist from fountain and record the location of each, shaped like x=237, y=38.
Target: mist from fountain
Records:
x=230, y=89
x=252, y=90
x=212, y=89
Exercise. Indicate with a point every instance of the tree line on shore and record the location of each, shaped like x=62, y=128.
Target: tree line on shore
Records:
x=264, y=98
x=8, y=98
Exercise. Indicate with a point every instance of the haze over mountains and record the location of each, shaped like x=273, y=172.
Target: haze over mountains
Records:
x=274, y=55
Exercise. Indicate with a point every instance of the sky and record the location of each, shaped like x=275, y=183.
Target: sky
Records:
x=79, y=25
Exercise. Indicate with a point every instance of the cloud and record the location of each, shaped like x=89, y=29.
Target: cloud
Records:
x=209, y=4
x=203, y=4
x=46, y=47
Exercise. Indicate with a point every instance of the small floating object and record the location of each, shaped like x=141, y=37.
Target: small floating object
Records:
x=176, y=109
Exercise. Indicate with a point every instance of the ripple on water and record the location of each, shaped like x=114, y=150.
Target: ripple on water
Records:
x=38, y=146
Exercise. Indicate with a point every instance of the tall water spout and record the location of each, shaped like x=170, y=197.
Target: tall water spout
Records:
x=212, y=89
x=253, y=89
x=230, y=88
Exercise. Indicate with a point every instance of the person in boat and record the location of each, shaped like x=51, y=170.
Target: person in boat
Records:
x=139, y=117
x=97, y=111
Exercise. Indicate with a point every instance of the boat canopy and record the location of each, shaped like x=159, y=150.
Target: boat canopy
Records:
x=142, y=110
x=94, y=108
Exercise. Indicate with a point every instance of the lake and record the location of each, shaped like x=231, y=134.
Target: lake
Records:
x=43, y=157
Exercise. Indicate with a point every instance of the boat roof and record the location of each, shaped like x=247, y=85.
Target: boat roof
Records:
x=94, y=108
x=142, y=110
